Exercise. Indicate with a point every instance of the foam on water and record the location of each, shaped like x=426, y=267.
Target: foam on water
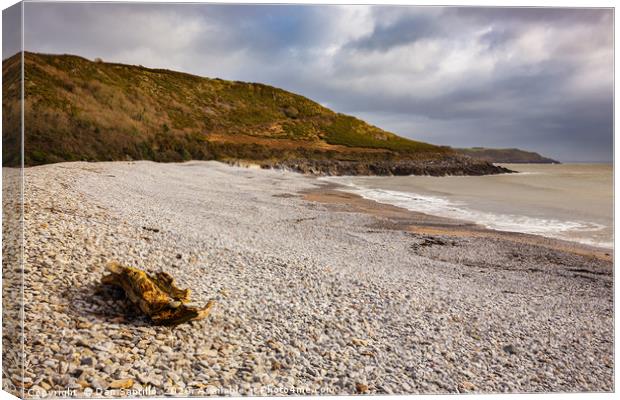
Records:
x=442, y=207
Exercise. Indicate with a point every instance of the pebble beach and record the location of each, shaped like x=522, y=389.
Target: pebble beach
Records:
x=311, y=297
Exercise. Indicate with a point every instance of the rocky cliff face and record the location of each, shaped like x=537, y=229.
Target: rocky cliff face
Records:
x=448, y=166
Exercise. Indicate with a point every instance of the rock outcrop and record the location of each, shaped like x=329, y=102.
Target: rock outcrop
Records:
x=454, y=165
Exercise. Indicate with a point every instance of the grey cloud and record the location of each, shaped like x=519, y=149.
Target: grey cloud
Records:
x=496, y=38
x=530, y=15
x=11, y=30
x=405, y=30
x=537, y=78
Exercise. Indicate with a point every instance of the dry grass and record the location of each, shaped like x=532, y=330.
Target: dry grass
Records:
x=83, y=110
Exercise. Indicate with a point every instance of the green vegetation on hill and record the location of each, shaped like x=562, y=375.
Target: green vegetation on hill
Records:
x=78, y=109
x=507, y=156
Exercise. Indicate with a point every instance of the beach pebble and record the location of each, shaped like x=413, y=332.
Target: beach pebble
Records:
x=318, y=297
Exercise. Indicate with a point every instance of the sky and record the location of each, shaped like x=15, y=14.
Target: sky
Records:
x=539, y=79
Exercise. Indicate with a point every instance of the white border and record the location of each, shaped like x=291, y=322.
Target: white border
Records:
x=479, y=3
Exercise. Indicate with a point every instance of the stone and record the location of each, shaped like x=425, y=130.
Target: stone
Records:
x=359, y=342
x=87, y=361
x=98, y=383
x=361, y=388
x=510, y=349
x=276, y=365
x=121, y=384
x=109, y=369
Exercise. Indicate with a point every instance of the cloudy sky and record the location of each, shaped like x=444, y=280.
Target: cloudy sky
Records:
x=539, y=79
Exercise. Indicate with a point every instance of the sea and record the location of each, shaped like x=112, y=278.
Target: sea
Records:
x=572, y=202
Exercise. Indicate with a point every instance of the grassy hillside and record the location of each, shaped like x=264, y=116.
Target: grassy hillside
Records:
x=78, y=109
x=508, y=156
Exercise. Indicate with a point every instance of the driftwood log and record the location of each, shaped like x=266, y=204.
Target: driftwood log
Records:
x=156, y=295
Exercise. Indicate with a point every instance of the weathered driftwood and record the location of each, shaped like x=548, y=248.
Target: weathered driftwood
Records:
x=157, y=296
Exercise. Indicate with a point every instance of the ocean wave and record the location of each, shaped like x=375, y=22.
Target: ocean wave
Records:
x=442, y=207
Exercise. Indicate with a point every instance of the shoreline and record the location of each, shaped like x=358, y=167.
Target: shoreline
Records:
x=399, y=218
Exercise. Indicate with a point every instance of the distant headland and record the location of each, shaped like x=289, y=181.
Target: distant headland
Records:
x=506, y=156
